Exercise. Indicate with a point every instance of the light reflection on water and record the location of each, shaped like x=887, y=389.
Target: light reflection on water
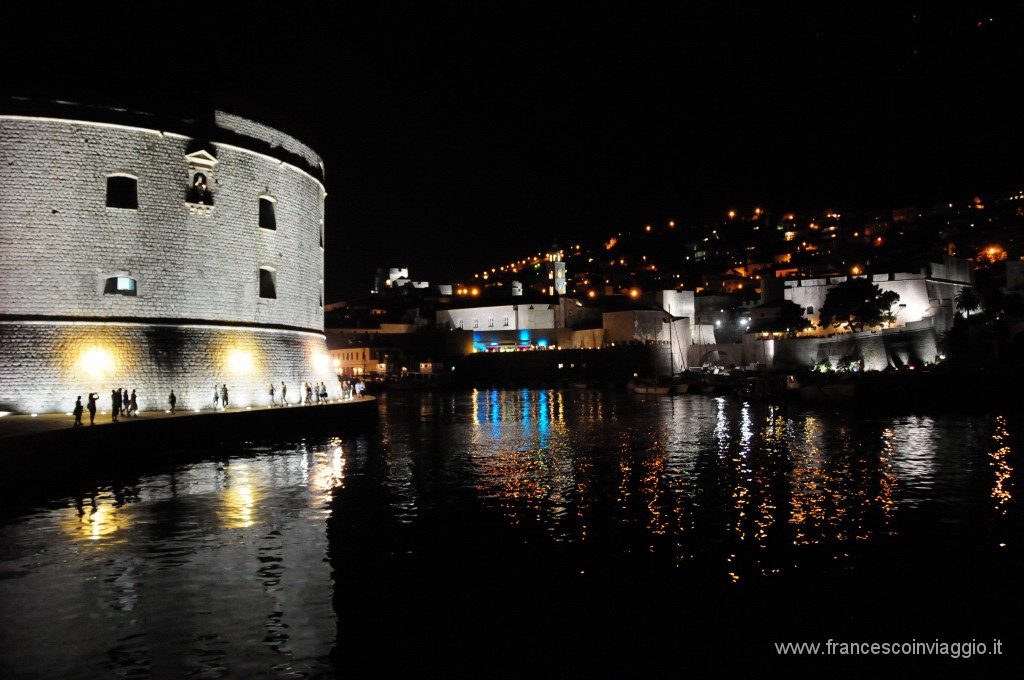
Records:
x=271, y=560
x=215, y=566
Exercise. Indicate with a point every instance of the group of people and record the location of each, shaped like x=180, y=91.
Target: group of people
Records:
x=91, y=407
x=121, y=404
x=315, y=393
x=220, y=396
x=351, y=389
x=124, y=404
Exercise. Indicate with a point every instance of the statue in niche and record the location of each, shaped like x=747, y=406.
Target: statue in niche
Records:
x=200, y=191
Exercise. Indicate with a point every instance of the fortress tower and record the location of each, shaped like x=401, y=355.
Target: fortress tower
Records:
x=555, y=270
x=153, y=253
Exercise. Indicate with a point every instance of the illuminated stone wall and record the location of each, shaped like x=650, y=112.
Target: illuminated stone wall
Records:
x=198, y=315
x=913, y=343
x=46, y=365
x=928, y=294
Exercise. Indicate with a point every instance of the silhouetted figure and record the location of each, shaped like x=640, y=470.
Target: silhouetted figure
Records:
x=216, y=397
x=284, y=392
x=115, y=404
x=309, y=393
x=200, y=191
x=91, y=406
x=323, y=393
x=224, y=395
x=125, y=403
x=272, y=394
x=172, y=400
x=77, y=411
x=133, y=405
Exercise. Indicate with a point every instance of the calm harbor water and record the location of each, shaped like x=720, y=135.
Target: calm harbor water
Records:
x=533, y=533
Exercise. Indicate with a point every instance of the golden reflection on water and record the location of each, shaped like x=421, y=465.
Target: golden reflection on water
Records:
x=238, y=501
x=840, y=496
x=888, y=485
x=100, y=519
x=787, y=485
x=1000, y=463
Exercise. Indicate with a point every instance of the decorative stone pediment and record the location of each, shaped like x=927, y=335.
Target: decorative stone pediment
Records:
x=201, y=160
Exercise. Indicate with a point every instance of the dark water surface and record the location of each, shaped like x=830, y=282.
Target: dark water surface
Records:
x=536, y=534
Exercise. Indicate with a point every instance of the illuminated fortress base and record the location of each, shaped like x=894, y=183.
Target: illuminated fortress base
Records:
x=83, y=357
x=150, y=254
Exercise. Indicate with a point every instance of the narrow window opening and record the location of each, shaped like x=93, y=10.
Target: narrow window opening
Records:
x=268, y=283
x=122, y=192
x=119, y=285
x=268, y=220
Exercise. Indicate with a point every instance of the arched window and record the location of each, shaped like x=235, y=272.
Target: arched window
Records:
x=268, y=283
x=119, y=285
x=122, y=192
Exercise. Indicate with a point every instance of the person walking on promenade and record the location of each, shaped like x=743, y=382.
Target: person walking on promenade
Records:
x=309, y=393
x=172, y=400
x=272, y=404
x=323, y=392
x=216, y=397
x=91, y=406
x=284, y=393
x=125, y=403
x=224, y=395
x=133, y=405
x=77, y=411
x=115, y=403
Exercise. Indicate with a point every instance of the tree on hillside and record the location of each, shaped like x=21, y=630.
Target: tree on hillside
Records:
x=857, y=304
x=967, y=301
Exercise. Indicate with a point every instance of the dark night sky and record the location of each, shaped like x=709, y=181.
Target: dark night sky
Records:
x=459, y=136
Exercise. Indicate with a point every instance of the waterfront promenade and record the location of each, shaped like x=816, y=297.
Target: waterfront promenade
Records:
x=50, y=445
x=19, y=425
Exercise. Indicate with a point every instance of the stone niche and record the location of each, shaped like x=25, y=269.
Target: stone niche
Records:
x=199, y=194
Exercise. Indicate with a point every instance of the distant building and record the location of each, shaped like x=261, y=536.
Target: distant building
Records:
x=554, y=269
x=926, y=295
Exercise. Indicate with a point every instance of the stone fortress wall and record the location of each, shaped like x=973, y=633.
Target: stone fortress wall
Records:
x=142, y=283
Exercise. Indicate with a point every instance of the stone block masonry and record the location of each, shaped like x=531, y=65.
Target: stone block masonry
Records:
x=44, y=366
x=156, y=291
